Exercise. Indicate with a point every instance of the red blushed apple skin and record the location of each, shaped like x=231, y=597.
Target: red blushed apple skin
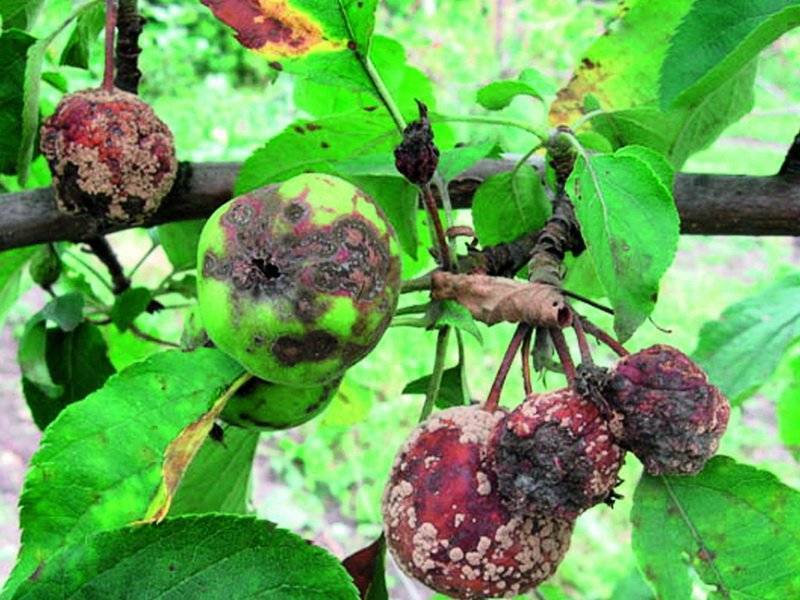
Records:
x=445, y=523
x=556, y=454
x=672, y=417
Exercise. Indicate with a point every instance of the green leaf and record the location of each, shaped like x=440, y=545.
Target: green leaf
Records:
x=323, y=41
x=30, y=107
x=307, y=146
x=451, y=391
x=12, y=267
x=509, y=204
x=351, y=405
x=619, y=73
x=655, y=160
x=32, y=358
x=450, y=312
x=179, y=241
x=101, y=463
x=398, y=198
x=208, y=556
x=742, y=349
x=632, y=587
x=19, y=14
x=218, y=480
x=88, y=27
x=736, y=527
x=454, y=162
x=65, y=311
x=14, y=46
x=788, y=410
x=128, y=305
x=499, y=94
x=78, y=363
x=716, y=40
x=631, y=228
x=186, y=286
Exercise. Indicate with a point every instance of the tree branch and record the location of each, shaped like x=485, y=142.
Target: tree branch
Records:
x=708, y=204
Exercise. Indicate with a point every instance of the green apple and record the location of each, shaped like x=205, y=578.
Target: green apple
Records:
x=299, y=280
x=271, y=406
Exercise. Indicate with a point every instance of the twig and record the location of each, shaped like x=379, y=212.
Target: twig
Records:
x=525, y=356
x=149, y=338
x=602, y=336
x=583, y=344
x=493, y=399
x=564, y=356
x=129, y=28
x=103, y=250
x=140, y=262
x=435, y=383
x=111, y=24
x=433, y=215
x=588, y=301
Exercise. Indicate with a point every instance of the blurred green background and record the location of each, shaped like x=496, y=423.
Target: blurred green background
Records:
x=324, y=480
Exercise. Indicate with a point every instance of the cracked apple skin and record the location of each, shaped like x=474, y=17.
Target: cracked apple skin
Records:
x=265, y=406
x=298, y=281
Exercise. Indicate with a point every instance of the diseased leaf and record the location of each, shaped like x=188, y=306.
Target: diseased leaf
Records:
x=14, y=46
x=619, y=73
x=208, y=556
x=631, y=228
x=179, y=241
x=320, y=40
x=716, y=40
x=87, y=28
x=77, y=363
x=736, y=527
x=100, y=463
x=314, y=146
x=742, y=349
x=128, y=305
x=367, y=568
x=509, y=204
x=218, y=479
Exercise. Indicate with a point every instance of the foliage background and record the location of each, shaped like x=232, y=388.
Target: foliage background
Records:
x=324, y=480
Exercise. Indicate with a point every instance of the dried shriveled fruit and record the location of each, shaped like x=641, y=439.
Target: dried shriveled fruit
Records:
x=673, y=418
x=298, y=281
x=417, y=156
x=445, y=523
x=556, y=454
x=269, y=406
x=110, y=155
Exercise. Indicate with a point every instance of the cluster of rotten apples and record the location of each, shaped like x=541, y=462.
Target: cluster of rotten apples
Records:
x=296, y=281
x=481, y=503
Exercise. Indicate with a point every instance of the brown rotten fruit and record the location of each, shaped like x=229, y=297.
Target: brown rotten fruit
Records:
x=556, y=454
x=673, y=418
x=111, y=157
x=445, y=523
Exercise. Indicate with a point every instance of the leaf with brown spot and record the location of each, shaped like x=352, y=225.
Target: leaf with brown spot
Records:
x=324, y=41
x=100, y=463
x=620, y=70
x=497, y=299
x=182, y=450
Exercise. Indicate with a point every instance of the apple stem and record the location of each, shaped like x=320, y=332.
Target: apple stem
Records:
x=111, y=24
x=583, y=344
x=525, y=355
x=563, y=354
x=601, y=335
x=493, y=399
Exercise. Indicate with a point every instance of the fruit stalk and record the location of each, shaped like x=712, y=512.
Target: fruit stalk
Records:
x=111, y=24
x=601, y=335
x=525, y=355
x=562, y=349
x=493, y=399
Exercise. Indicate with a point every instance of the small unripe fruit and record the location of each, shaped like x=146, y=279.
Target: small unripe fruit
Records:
x=672, y=417
x=110, y=155
x=266, y=406
x=45, y=267
x=298, y=281
x=445, y=523
x=556, y=454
